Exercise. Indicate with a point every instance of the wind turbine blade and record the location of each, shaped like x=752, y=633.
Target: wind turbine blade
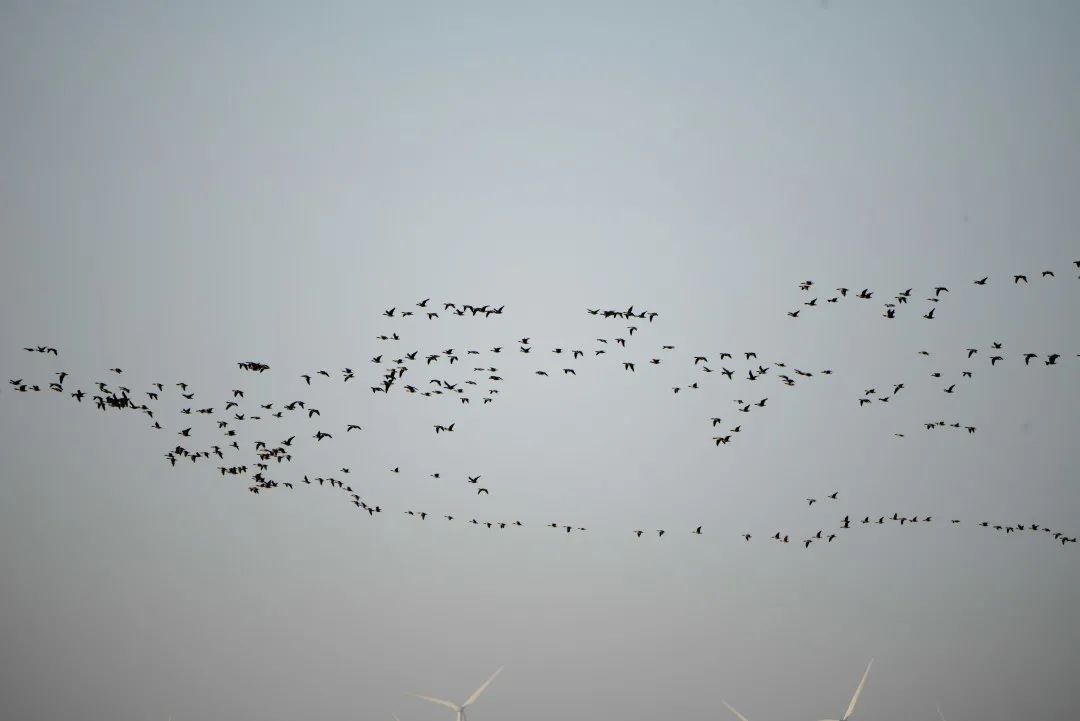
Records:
x=395, y=717
x=480, y=690
x=855, y=698
x=741, y=717
x=441, y=702
x=940, y=714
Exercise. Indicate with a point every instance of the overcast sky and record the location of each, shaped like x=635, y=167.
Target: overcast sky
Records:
x=187, y=185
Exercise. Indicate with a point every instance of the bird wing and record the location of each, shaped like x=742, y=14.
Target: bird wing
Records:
x=741, y=717
x=441, y=702
x=858, y=690
x=476, y=694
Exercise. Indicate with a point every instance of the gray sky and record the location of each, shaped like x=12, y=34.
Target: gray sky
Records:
x=188, y=187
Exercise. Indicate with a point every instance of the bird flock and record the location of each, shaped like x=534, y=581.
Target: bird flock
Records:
x=218, y=431
x=902, y=298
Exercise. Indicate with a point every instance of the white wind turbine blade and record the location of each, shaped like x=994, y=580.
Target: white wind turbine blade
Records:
x=855, y=698
x=441, y=702
x=480, y=690
x=741, y=717
x=940, y=714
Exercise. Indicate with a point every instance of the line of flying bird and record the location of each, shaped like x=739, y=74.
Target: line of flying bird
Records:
x=231, y=417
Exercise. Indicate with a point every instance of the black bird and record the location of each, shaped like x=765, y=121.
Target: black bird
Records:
x=982, y=281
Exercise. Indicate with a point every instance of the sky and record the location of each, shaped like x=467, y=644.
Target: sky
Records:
x=189, y=185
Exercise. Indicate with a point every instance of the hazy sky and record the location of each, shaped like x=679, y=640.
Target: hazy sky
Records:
x=187, y=185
